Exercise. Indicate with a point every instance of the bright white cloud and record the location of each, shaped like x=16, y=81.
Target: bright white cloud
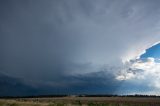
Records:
x=143, y=71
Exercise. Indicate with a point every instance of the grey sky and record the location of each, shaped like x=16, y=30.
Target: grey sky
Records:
x=53, y=39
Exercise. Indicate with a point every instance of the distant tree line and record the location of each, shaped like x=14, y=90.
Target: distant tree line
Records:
x=108, y=95
x=84, y=95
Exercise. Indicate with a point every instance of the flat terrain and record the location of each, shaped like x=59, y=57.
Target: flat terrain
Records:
x=82, y=101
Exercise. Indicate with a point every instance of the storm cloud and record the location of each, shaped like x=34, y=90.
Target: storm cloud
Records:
x=63, y=40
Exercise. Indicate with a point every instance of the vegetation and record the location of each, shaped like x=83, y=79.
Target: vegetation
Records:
x=81, y=101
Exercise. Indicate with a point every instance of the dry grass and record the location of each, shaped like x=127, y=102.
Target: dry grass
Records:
x=81, y=101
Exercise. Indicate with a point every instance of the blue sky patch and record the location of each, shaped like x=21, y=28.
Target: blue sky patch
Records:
x=153, y=52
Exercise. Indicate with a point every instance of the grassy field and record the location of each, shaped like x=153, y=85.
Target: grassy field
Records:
x=82, y=101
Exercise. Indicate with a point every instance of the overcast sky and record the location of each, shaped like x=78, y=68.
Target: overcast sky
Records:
x=80, y=44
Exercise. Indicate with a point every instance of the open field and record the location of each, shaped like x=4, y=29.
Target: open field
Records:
x=82, y=101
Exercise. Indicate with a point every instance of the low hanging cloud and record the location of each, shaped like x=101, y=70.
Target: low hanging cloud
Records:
x=48, y=41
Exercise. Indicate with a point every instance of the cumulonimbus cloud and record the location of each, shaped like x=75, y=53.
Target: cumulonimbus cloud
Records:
x=47, y=40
